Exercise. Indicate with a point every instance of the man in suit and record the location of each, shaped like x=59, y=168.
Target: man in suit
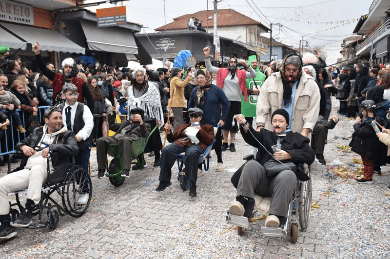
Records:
x=126, y=133
x=192, y=139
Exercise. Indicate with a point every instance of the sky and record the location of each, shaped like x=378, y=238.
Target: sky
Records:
x=321, y=22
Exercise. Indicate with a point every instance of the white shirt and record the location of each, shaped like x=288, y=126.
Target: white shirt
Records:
x=87, y=118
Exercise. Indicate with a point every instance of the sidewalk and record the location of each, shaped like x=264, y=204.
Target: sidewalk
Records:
x=135, y=221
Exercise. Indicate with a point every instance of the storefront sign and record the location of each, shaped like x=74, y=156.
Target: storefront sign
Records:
x=165, y=44
x=11, y=11
x=111, y=16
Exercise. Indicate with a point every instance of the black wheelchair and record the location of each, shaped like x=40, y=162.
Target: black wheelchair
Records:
x=69, y=182
x=298, y=211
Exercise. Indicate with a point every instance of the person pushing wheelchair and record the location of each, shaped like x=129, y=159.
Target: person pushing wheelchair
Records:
x=53, y=137
x=265, y=175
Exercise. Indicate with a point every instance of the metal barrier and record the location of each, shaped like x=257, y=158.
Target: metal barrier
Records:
x=14, y=139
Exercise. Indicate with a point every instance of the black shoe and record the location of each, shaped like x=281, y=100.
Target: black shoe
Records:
x=282, y=221
x=321, y=159
x=125, y=173
x=101, y=173
x=5, y=230
x=135, y=167
x=183, y=182
x=192, y=189
x=24, y=220
x=225, y=146
x=232, y=148
x=162, y=186
x=156, y=163
x=249, y=205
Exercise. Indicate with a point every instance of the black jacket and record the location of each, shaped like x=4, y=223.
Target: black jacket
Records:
x=137, y=129
x=293, y=143
x=364, y=140
x=62, y=150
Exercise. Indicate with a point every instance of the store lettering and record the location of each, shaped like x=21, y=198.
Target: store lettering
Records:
x=14, y=9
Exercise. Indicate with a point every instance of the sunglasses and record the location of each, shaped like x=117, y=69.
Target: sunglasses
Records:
x=195, y=116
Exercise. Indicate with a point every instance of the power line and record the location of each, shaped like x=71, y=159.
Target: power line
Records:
x=257, y=13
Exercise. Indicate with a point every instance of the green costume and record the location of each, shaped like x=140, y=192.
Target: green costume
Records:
x=248, y=109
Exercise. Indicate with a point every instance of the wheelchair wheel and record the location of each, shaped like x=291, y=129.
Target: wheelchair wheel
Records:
x=114, y=168
x=294, y=233
x=53, y=219
x=304, y=205
x=76, y=183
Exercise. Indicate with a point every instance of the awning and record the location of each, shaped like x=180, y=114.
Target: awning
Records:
x=48, y=40
x=109, y=39
x=11, y=41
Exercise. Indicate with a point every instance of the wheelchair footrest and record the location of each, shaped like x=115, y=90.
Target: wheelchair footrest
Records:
x=240, y=221
x=38, y=225
x=273, y=232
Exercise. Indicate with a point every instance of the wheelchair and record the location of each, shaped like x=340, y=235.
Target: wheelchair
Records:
x=204, y=161
x=298, y=212
x=115, y=166
x=67, y=181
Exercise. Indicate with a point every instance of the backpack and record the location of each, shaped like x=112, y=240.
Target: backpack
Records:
x=341, y=91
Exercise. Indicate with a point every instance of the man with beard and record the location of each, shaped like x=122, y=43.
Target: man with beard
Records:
x=146, y=96
x=53, y=138
x=69, y=76
x=293, y=91
x=234, y=87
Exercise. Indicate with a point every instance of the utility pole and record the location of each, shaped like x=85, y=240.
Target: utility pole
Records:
x=270, y=44
x=215, y=36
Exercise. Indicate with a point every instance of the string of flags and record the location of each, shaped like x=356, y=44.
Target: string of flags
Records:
x=348, y=21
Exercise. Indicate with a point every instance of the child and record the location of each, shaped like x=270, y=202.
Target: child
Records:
x=79, y=119
x=18, y=88
x=364, y=140
x=8, y=104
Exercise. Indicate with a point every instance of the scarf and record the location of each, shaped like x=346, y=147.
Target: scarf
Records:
x=287, y=91
x=149, y=102
x=23, y=98
x=233, y=71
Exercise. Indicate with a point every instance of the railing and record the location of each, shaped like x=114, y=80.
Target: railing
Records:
x=381, y=29
x=373, y=4
x=12, y=136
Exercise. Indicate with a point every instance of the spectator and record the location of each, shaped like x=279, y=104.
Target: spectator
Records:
x=45, y=91
x=100, y=111
x=330, y=89
x=4, y=53
x=13, y=70
x=18, y=88
x=8, y=104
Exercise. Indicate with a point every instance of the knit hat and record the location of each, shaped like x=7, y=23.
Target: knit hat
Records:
x=282, y=112
x=117, y=83
x=295, y=60
x=68, y=62
x=4, y=49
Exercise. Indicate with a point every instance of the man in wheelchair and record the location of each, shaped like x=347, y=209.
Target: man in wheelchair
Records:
x=126, y=133
x=265, y=175
x=192, y=139
x=53, y=138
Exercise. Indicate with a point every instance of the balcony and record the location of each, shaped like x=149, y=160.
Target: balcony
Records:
x=375, y=35
x=373, y=4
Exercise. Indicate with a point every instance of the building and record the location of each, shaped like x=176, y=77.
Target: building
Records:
x=237, y=33
x=279, y=50
x=375, y=27
x=349, y=49
x=25, y=22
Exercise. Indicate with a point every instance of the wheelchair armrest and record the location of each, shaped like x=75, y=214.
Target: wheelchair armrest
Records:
x=249, y=157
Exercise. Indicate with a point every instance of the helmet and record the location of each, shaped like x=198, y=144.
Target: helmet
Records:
x=368, y=104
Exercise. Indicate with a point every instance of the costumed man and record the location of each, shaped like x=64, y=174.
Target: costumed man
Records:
x=69, y=75
x=53, y=138
x=292, y=90
x=78, y=118
x=193, y=139
x=146, y=96
x=232, y=81
x=265, y=176
x=4, y=53
x=126, y=133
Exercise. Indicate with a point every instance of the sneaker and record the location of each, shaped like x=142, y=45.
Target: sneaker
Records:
x=272, y=221
x=321, y=159
x=192, y=189
x=83, y=199
x=6, y=233
x=23, y=221
x=125, y=173
x=220, y=167
x=162, y=186
x=225, y=146
x=363, y=180
x=236, y=208
x=101, y=173
x=232, y=148
x=21, y=129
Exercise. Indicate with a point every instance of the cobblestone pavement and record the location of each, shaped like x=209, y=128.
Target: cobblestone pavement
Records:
x=135, y=221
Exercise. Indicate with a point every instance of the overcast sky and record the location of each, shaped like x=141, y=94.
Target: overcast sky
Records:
x=314, y=19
